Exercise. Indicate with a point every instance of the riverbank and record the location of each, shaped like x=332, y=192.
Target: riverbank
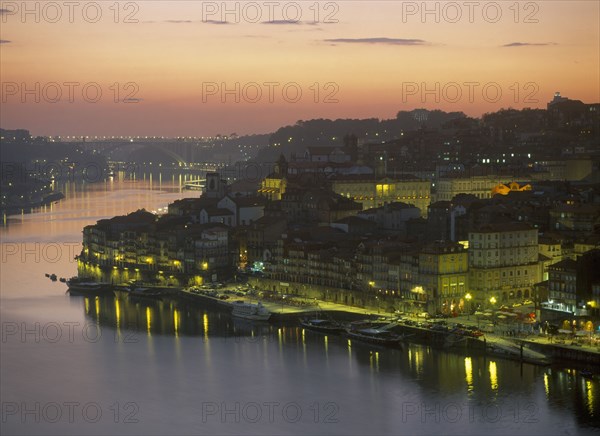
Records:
x=11, y=208
x=533, y=350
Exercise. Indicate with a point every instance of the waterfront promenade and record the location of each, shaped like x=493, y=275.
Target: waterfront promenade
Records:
x=537, y=348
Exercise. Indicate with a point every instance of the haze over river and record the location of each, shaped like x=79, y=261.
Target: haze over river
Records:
x=84, y=365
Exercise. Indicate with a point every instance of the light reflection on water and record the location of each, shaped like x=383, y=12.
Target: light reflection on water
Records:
x=188, y=369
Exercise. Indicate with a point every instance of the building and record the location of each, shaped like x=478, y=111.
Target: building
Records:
x=166, y=250
x=261, y=239
x=550, y=250
x=481, y=186
x=371, y=191
x=245, y=209
x=391, y=217
x=565, y=169
x=304, y=205
x=275, y=184
x=443, y=274
x=217, y=215
x=573, y=288
x=326, y=154
x=575, y=218
x=443, y=220
x=215, y=187
x=503, y=263
x=562, y=286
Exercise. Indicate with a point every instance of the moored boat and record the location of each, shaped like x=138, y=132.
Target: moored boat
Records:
x=144, y=293
x=86, y=286
x=255, y=312
x=375, y=337
x=322, y=325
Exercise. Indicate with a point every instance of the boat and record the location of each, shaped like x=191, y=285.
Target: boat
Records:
x=143, y=293
x=86, y=286
x=62, y=280
x=368, y=324
x=53, y=277
x=135, y=289
x=255, y=312
x=375, y=337
x=322, y=325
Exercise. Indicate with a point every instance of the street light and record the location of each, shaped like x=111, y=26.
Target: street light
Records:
x=468, y=298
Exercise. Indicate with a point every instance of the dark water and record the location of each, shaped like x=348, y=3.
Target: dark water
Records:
x=77, y=365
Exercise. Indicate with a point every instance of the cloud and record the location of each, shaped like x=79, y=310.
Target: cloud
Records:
x=282, y=22
x=256, y=36
x=6, y=11
x=215, y=22
x=187, y=22
x=528, y=44
x=384, y=41
x=5, y=41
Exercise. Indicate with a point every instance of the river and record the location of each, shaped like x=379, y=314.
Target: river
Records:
x=80, y=365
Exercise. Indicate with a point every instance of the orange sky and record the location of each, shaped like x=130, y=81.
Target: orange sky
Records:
x=378, y=58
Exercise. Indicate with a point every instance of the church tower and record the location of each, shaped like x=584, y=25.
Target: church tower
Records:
x=215, y=186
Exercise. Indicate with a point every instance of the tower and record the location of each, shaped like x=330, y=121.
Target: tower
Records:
x=215, y=187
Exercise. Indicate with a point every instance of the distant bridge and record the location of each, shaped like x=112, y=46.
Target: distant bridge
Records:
x=195, y=185
x=182, y=152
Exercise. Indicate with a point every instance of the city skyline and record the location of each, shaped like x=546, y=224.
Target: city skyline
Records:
x=165, y=69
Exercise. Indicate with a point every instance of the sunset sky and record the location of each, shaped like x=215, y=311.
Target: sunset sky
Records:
x=361, y=63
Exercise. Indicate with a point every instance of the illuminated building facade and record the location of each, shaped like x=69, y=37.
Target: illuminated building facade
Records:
x=275, y=184
x=374, y=192
x=164, y=250
x=503, y=263
x=444, y=274
x=573, y=286
x=503, y=189
x=481, y=186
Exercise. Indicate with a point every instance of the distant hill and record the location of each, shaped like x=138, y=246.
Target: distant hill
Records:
x=325, y=132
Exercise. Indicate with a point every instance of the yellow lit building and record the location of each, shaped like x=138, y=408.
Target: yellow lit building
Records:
x=503, y=189
x=480, y=186
x=503, y=263
x=444, y=273
x=375, y=192
x=273, y=186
